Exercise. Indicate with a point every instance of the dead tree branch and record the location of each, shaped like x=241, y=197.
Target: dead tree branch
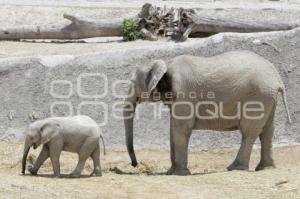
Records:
x=154, y=22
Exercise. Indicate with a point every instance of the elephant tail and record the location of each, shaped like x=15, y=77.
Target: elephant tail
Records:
x=283, y=94
x=104, y=148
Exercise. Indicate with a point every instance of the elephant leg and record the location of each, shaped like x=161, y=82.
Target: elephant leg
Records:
x=44, y=154
x=242, y=159
x=80, y=165
x=86, y=150
x=55, y=151
x=180, y=135
x=266, y=160
x=96, y=161
x=172, y=156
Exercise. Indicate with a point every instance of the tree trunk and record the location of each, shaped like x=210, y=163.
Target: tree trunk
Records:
x=178, y=24
x=78, y=29
x=214, y=24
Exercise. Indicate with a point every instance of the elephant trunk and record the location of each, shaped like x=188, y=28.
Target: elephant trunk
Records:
x=128, y=114
x=25, y=154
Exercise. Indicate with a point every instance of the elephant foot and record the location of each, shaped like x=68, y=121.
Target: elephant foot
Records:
x=32, y=170
x=170, y=171
x=179, y=171
x=74, y=175
x=237, y=166
x=95, y=174
x=56, y=176
x=263, y=166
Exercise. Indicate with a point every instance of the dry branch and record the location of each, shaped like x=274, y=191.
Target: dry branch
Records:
x=180, y=23
x=154, y=22
x=78, y=29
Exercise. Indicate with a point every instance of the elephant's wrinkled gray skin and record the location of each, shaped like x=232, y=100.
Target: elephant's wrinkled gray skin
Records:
x=233, y=77
x=79, y=134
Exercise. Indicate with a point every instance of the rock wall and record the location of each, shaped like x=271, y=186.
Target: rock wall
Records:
x=33, y=87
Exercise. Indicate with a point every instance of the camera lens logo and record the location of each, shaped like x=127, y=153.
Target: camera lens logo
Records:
x=91, y=88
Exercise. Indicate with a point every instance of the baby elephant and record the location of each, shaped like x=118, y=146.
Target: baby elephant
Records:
x=79, y=134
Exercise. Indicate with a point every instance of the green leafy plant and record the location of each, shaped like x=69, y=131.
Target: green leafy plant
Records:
x=129, y=29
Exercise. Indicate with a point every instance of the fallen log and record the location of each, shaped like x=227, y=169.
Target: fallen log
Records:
x=210, y=24
x=180, y=23
x=78, y=29
x=154, y=22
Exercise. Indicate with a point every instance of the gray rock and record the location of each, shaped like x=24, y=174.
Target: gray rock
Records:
x=25, y=87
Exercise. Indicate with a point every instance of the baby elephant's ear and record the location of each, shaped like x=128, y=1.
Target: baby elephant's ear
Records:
x=157, y=71
x=48, y=131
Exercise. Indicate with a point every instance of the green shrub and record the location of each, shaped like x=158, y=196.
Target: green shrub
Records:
x=129, y=30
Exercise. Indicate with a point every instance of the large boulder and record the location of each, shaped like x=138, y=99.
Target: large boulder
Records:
x=38, y=86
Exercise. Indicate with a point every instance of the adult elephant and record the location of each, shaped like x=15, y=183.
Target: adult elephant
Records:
x=231, y=91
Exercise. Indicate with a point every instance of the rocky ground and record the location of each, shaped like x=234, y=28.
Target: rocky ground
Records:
x=209, y=177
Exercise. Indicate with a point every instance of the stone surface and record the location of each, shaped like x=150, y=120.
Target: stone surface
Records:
x=25, y=87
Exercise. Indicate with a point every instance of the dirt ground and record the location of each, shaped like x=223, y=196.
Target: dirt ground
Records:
x=209, y=177
x=15, y=49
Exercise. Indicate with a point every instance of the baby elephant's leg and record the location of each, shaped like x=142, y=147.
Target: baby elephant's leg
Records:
x=44, y=154
x=55, y=151
x=96, y=160
x=86, y=150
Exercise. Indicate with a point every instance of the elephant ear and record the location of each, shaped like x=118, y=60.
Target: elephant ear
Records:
x=48, y=131
x=157, y=71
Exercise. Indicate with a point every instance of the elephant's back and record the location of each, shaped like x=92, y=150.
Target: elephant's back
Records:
x=242, y=61
x=264, y=76
x=79, y=124
x=233, y=69
x=229, y=77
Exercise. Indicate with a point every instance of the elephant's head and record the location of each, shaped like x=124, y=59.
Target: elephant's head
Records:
x=145, y=81
x=39, y=132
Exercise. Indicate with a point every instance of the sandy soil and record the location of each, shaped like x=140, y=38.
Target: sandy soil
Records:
x=209, y=180
x=14, y=49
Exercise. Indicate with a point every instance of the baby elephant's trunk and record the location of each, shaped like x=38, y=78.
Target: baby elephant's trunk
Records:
x=25, y=154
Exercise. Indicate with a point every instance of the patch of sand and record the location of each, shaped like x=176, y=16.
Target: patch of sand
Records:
x=209, y=177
